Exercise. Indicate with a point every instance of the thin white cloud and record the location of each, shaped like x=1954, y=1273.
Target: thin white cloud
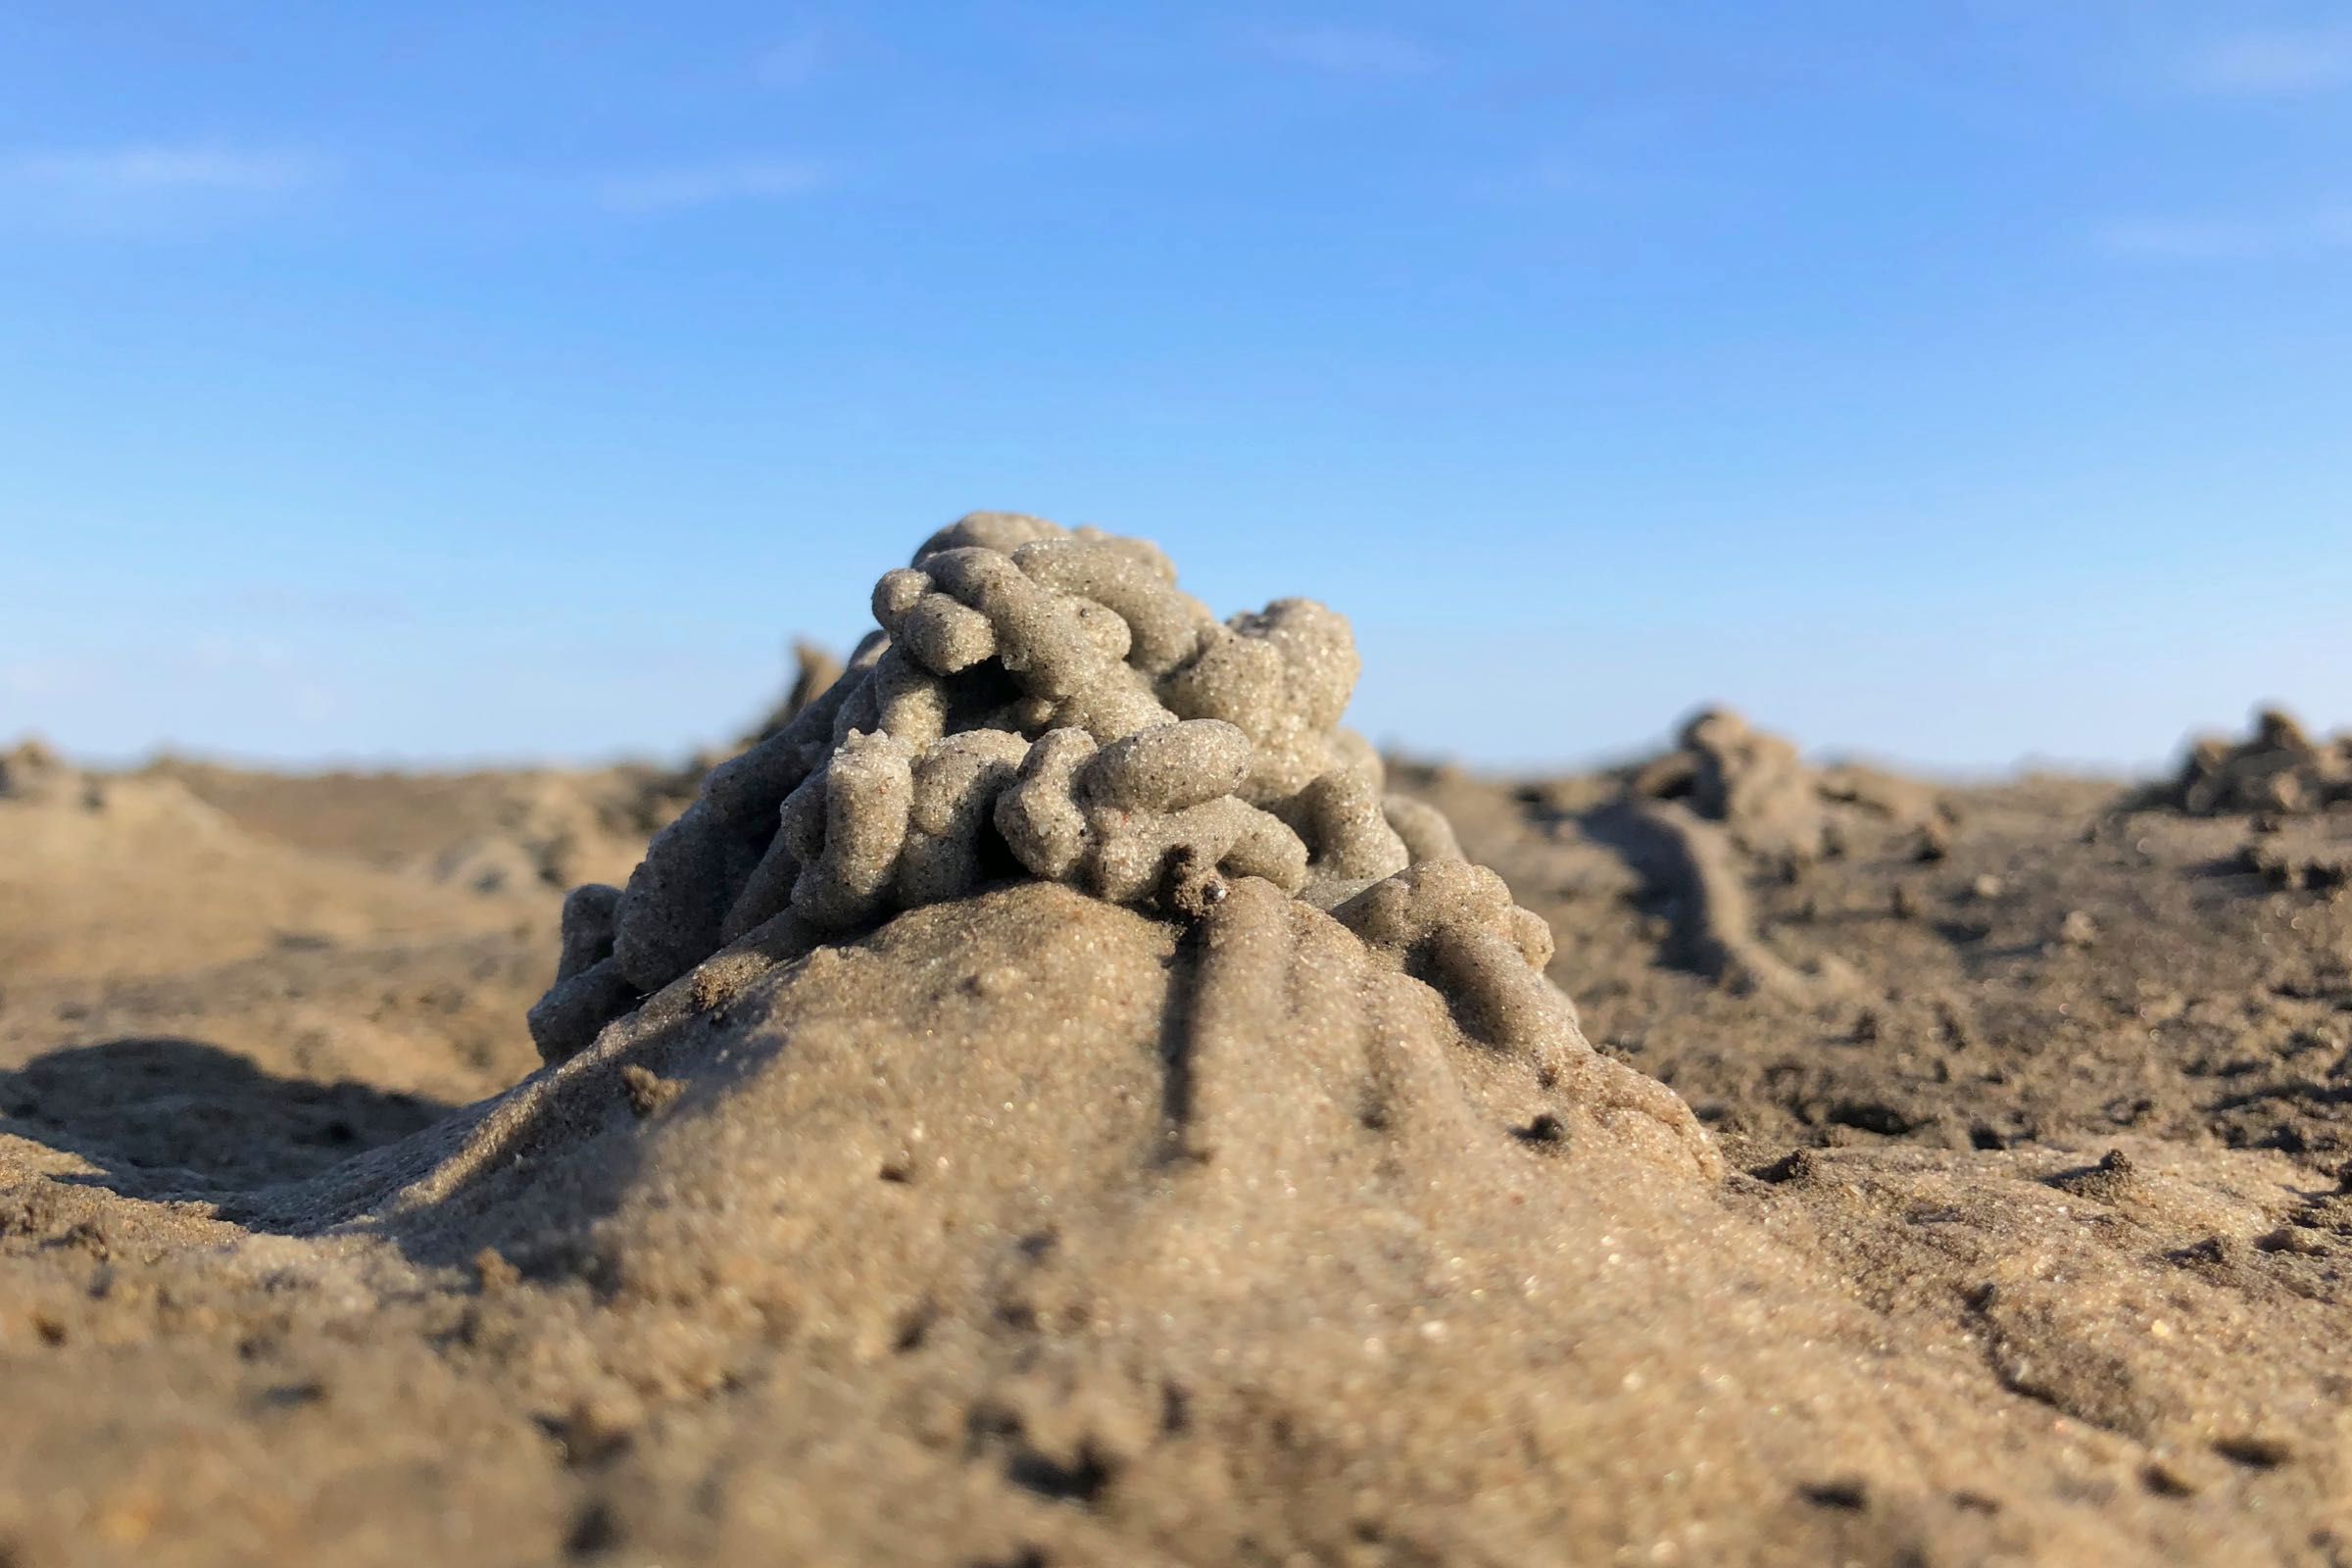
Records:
x=1547, y=176
x=298, y=602
x=43, y=678
x=791, y=61
x=684, y=188
x=2230, y=239
x=2276, y=64
x=160, y=169
x=1344, y=50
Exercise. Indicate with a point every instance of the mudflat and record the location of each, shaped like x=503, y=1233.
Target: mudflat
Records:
x=927, y=1140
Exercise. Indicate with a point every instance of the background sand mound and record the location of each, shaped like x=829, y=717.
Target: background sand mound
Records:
x=554, y=832
x=133, y=876
x=1699, y=833
x=1774, y=806
x=29, y=771
x=484, y=831
x=2278, y=768
x=172, y=980
x=36, y=785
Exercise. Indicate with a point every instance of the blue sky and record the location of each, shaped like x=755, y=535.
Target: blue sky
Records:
x=1962, y=382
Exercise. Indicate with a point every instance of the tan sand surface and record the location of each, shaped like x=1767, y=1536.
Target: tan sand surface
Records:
x=1222, y=1223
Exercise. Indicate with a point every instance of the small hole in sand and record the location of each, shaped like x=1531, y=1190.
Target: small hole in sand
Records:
x=1545, y=1130
x=1870, y=1116
x=2256, y=1454
x=593, y=1533
x=916, y=1327
x=1846, y=1493
x=1081, y=1483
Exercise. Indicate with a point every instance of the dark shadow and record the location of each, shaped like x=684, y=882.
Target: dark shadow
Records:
x=2300, y=1091
x=2280, y=866
x=585, y=1129
x=1673, y=885
x=172, y=1118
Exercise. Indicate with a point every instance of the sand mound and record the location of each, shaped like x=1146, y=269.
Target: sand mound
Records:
x=2280, y=768
x=1025, y=1048
x=1031, y=1228
x=31, y=772
x=547, y=831
x=1731, y=806
x=38, y=785
x=1037, y=703
x=120, y=868
x=1769, y=802
x=1107, y=1139
x=505, y=832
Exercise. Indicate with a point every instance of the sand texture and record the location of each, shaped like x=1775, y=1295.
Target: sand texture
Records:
x=1918, y=1176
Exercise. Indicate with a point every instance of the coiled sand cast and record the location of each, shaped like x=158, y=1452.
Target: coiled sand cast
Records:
x=1047, y=704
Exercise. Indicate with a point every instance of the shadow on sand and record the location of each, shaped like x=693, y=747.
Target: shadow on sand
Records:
x=169, y=1117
